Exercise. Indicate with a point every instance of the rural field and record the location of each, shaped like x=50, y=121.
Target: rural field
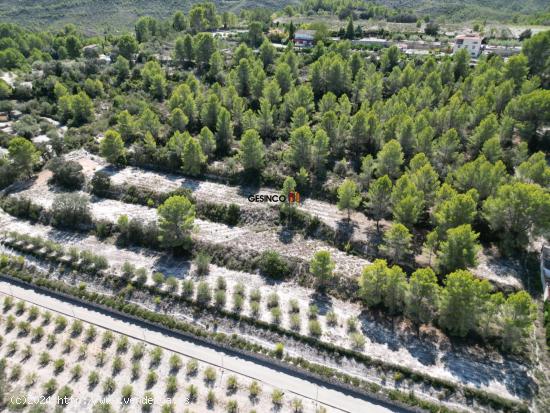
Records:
x=309, y=206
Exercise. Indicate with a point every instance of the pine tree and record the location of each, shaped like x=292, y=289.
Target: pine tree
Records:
x=207, y=141
x=193, y=158
x=371, y=282
x=300, y=147
x=379, y=198
x=252, y=152
x=320, y=151
x=397, y=242
x=224, y=134
x=176, y=218
x=460, y=249
x=322, y=266
x=350, y=31
x=462, y=302
x=347, y=196
x=112, y=147
x=389, y=159
x=422, y=300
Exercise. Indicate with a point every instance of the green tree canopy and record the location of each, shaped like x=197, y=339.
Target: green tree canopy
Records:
x=176, y=218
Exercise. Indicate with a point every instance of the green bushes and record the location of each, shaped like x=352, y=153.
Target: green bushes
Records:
x=273, y=265
x=22, y=208
x=67, y=174
x=227, y=214
x=118, y=303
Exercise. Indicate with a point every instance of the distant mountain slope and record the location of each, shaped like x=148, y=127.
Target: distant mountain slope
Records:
x=471, y=9
x=96, y=15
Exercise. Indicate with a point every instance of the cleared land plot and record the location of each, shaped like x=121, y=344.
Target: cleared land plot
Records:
x=500, y=271
x=430, y=352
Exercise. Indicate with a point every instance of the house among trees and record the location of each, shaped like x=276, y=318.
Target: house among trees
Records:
x=470, y=42
x=304, y=38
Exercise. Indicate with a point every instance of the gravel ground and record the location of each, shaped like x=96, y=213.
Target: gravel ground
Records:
x=499, y=271
x=88, y=362
x=430, y=352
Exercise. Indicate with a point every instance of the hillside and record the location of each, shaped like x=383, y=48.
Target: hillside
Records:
x=95, y=16
x=470, y=9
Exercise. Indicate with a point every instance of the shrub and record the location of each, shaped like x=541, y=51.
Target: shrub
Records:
x=138, y=350
x=109, y=386
x=297, y=405
x=155, y=356
x=211, y=399
x=175, y=363
x=220, y=298
x=314, y=328
x=126, y=393
x=232, y=384
x=232, y=406
x=255, y=308
x=293, y=306
x=101, y=184
x=277, y=398
x=93, y=379
x=118, y=365
x=63, y=394
x=255, y=295
x=67, y=174
x=58, y=366
x=71, y=210
x=254, y=389
x=107, y=340
x=172, y=284
x=272, y=265
x=202, y=263
x=273, y=300
x=352, y=324
x=332, y=318
x=151, y=379
x=15, y=373
x=100, y=358
x=203, y=293
x=192, y=367
x=187, y=288
x=279, y=350
x=192, y=393
x=135, y=371
x=44, y=358
x=76, y=372
x=312, y=312
x=141, y=276
x=295, y=322
x=60, y=324
x=158, y=278
x=76, y=328
x=276, y=315
x=209, y=375
x=91, y=334
x=171, y=385
x=49, y=387
x=357, y=341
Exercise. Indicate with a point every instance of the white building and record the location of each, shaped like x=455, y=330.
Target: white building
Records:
x=470, y=42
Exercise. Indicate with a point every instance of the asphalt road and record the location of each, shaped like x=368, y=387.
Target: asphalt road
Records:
x=230, y=362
